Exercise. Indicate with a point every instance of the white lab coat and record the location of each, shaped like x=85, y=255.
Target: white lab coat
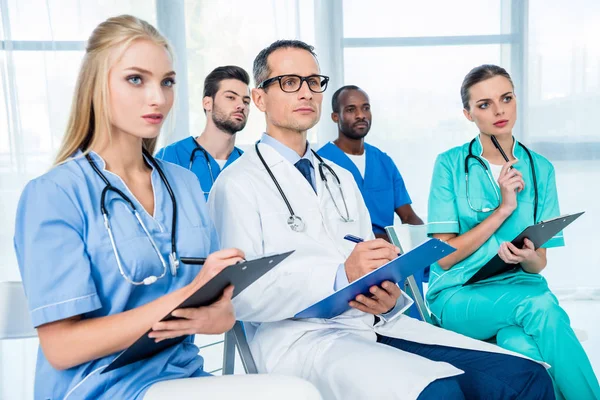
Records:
x=340, y=356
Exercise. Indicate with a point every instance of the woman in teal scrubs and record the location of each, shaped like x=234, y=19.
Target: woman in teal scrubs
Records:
x=479, y=217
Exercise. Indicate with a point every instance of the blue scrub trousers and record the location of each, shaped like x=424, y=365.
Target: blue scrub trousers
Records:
x=487, y=376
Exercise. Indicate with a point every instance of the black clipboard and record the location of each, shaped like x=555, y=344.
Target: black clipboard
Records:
x=539, y=234
x=240, y=275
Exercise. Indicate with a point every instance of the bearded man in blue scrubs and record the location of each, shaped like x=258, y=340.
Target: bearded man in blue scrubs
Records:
x=226, y=104
x=375, y=173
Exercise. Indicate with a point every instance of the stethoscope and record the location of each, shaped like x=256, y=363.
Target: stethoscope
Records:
x=173, y=259
x=203, y=150
x=295, y=222
x=491, y=179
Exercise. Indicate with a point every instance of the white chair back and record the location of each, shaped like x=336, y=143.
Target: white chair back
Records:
x=15, y=321
x=410, y=236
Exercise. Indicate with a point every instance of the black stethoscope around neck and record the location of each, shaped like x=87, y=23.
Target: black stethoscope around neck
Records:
x=491, y=179
x=295, y=222
x=173, y=259
x=207, y=158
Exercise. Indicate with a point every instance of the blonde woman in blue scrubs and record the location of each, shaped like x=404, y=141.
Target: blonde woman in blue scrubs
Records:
x=480, y=217
x=97, y=274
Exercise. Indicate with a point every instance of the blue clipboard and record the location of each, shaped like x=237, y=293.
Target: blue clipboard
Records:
x=396, y=271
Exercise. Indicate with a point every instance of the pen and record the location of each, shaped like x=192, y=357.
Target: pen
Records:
x=354, y=239
x=193, y=260
x=497, y=145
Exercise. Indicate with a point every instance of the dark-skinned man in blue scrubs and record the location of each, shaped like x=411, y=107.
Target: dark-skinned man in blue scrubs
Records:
x=375, y=173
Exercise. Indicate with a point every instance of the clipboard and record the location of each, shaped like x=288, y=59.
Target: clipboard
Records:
x=395, y=271
x=240, y=275
x=539, y=234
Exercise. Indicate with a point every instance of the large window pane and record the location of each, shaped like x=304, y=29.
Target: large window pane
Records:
x=415, y=99
x=69, y=19
x=4, y=115
x=216, y=36
x=393, y=18
x=44, y=83
x=564, y=71
x=563, y=78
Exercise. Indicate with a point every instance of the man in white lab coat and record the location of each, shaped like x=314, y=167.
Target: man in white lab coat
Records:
x=274, y=199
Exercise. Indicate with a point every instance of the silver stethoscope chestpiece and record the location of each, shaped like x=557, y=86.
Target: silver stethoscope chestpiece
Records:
x=173, y=263
x=296, y=223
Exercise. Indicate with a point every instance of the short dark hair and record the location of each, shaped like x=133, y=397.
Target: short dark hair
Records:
x=261, y=69
x=213, y=80
x=335, y=99
x=479, y=74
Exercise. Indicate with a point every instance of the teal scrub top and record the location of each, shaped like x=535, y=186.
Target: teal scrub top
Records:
x=449, y=212
x=180, y=152
x=382, y=187
x=69, y=268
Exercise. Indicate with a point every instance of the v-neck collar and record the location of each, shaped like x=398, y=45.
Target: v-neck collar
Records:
x=350, y=166
x=99, y=161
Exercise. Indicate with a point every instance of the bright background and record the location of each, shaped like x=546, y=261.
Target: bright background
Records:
x=409, y=56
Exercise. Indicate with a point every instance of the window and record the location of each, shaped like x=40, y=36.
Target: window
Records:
x=389, y=18
x=41, y=47
x=412, y=68
x=563, y=79
x=216, y=36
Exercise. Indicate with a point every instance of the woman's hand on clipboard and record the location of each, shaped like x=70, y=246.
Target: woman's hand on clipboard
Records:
x=216, y=318
x=531, y=260
x=215, y=263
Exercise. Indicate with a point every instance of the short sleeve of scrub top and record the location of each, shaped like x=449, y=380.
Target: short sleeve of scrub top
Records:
x=549, y=208
x=442, y=209
x=61, y=284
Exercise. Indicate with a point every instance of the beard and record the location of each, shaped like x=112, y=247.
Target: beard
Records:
x=225, y=122
x=351, y=132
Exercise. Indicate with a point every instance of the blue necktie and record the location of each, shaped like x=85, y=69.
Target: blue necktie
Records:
x=304, y=167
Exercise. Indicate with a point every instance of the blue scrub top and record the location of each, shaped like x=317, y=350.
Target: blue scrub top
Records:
x=449, y=212
x=69, y=268
x=382, y=187
x=180, y=152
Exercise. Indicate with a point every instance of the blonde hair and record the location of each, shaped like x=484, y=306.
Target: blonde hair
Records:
x=90, y=112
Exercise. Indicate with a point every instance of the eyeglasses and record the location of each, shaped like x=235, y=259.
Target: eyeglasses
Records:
x=293, y=83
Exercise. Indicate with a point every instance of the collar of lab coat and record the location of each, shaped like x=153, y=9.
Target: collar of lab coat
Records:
x=273, y=157
x=286, y=152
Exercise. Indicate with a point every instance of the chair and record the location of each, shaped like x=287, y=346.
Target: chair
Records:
x=406, y=237
x=15, y=322
x=236, y=337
